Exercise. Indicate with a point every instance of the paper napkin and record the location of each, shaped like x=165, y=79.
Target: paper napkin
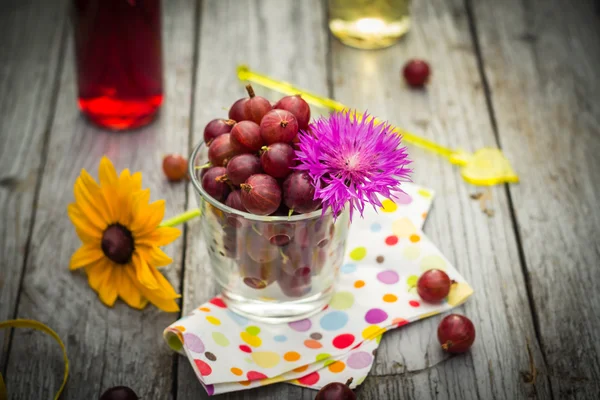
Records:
x=386, y=253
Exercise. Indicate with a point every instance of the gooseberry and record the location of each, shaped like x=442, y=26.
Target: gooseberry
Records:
x=434, y=285
x=336, y=391
x=297, y=106
x=278, y=126
x=256, y=107
x=175, y=167
x=220, y=150
x=278, y=160
x=416, y=73
x=298, y=193
x=261, y=194
x=214, y=182
x=456, y=333
x=217, y=127
x=245, y=137
x=241, y=167
x=119, y=393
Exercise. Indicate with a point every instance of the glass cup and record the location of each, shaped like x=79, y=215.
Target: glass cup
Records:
x=274, y=269
x=369, y=24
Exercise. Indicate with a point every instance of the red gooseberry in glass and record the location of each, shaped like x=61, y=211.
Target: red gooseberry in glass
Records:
x=241, y=167
x=261, y=194
x=297, y=261
x=234, y=200
x=214, y=183
x=456, y=333
x=297, y=106
x=278, y=126
x=278, y=159
x=258, y=275
x=237, y=111
x=416, y=73
x=299, y=192
x=175, y=167
x=336, y=391
x=229, y=238
x=220, y=150
x=217, y=127
x=294, y=286
x=245, y=137
x=277, y=233
x=434, y=285
x=119, y=393
x=256, y=107
x=257, y=247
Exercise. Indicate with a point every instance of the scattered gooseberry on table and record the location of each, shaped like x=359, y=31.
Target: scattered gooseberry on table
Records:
x=416, y=72
x=434, y=285
x=336, y=391
x=119, y=393
x=175, y=167
x=456, y=333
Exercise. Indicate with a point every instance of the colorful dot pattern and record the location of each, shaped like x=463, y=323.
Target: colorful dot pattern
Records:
x=386, y=252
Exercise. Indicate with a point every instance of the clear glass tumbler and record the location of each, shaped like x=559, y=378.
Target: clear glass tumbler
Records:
x=369, y=24
x=270, y=268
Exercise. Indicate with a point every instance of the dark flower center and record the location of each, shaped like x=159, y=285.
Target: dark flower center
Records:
x=117, y=243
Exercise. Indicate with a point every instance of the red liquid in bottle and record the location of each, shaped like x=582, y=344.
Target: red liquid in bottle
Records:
x=119, y=61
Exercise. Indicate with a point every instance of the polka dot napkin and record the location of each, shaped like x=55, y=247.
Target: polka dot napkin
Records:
x=376, y=292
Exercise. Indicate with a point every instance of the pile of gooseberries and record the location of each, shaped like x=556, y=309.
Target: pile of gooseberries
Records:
x=251, y=156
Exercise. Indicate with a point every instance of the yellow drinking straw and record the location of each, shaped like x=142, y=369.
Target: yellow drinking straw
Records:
x=32, y=324
x=486, y=167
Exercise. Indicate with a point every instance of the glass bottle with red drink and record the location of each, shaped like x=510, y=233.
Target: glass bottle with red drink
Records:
x=119, y=61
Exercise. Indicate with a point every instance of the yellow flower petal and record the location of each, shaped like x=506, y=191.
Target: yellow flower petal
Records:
x=95, y=190
x=161, y=236
x=154, y=256
x=165, y=285
x=127, y=290
x=168, y=305
x=147, y=218
x=98, y=273
x=86, y=255
x=107, y=173
x=84, y=229
x=108, y=290
x=143, y=272
x=128, y=201
x=136, y=182
x=90, y=205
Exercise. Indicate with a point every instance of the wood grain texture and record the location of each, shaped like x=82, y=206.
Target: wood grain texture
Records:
x=451, y=110
x=286, y=39
x=542, y=61
x=31, y=33
x=106, y=346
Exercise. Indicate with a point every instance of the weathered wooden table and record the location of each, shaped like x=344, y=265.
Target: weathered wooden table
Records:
x=522, y=75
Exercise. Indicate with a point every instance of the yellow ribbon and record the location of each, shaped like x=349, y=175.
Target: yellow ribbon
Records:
x=486, y=166
x=31, y=324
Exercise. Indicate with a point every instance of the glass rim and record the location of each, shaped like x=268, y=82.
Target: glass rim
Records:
x=223, y=207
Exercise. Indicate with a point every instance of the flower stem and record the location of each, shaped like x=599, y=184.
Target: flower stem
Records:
x=181, y=218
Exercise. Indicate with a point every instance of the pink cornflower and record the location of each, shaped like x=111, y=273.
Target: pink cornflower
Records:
x=352, y=160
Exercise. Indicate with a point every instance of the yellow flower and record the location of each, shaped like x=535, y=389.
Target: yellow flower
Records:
x=120, y=234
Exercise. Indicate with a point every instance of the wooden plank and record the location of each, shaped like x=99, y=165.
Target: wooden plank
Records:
x=451, y=110
x=541, y=59
x=264, y=34
x=31, y=33
x=107, y=347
